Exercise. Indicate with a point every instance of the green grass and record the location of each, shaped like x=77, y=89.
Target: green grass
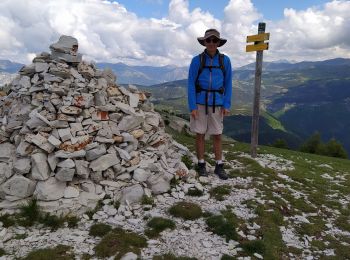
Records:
x=7, y=220
x=195, y=192
x=170, y=256
x=2, y=252
x=219, y=192
x=60, y=252
x=224, y=224
x=146, y=200
x=305, y=178
x=118, y=242
x=158, y=224
x=187, y=161
x=99, y=229
x=186, y=210
x=20, y=236
x=99, y=206
x=52, y=221
x=255, y=246
x=29, y=214
x=72, y=221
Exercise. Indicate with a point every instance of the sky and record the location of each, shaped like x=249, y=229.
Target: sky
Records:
x=164, y=32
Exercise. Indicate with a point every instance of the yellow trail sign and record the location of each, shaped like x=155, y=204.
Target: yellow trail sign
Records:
x=257, y=47
x=258, y=37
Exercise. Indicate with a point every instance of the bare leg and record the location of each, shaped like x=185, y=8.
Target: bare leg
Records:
x=200, y=146
x=217, y=147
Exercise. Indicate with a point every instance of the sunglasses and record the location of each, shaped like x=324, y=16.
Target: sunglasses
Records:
x=213, y=40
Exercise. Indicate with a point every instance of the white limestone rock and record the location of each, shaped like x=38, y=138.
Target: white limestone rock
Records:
x=65, y=174
x=71, y=192
x=82, y=168
x=5, y=172
x=95, y=153
x=7, y=151
x=158, y=184
x=19, y=186
x=132, y=194
x=22, y=166
x=68, y=163
x=141, y=175
x=104, y=162
x=51, y=189
x=40, y=167
x=130, y=122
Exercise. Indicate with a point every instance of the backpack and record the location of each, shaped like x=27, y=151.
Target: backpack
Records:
x=200, y=70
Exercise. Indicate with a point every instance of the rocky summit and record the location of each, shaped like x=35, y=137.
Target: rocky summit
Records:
x=70, y=135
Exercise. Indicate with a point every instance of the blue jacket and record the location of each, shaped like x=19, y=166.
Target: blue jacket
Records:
x=212, y=80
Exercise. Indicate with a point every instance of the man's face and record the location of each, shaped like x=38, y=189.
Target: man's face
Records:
x=212, y=44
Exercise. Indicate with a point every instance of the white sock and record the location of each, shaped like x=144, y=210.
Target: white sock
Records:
x=219, y=162
x=201, y=161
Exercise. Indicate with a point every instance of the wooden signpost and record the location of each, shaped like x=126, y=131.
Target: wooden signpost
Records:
x=259, y=46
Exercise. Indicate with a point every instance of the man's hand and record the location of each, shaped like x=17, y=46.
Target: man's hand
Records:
x=194, y=113
x=225, y=112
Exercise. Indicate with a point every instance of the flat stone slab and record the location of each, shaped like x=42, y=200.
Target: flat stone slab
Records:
x=104, y=162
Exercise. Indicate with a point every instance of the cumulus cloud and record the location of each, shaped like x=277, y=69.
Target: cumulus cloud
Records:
x=108, y=32
x=316, y=33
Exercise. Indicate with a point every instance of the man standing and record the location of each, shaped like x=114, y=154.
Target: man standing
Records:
x=209, y=97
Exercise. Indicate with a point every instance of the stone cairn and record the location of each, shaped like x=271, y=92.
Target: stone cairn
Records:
x=69, y=136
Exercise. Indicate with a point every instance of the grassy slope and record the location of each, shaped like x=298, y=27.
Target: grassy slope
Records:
x=321, y=199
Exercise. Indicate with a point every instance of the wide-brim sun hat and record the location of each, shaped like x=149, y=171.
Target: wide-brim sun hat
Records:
x=211, y=33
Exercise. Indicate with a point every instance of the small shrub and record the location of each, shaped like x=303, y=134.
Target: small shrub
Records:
x=20, y=236
x=60, y=252
x=186, y=210
x=255, y=246
x=194, y=192
x=7, y=220
x=147, y=200
x=220, y=191
x=52, y=221
x=174, y=182
x=99, y=229
x=170, y=256
x=335, y=149
x=118, y=242
x=116, y=204
x=2, y=252
x=223, y=225
x=86, y=256
x=228, y=257
x=312, y=145
x=187, y=161
x=280, y=143
x=29, y=214
x=72, y=221
x=158, y=224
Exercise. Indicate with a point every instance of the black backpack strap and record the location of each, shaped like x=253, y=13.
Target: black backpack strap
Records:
x=222, y=64
x=200, y=69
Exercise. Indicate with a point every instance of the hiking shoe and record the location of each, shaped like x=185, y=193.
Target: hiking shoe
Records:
x=219, y=171
x=202, y=171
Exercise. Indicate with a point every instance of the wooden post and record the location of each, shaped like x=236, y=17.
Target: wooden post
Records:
x=257, y=84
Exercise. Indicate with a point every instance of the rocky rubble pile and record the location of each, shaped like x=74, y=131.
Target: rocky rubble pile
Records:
x=69, y=135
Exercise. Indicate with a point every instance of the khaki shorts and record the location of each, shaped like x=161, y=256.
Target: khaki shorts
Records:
x=211, y=124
